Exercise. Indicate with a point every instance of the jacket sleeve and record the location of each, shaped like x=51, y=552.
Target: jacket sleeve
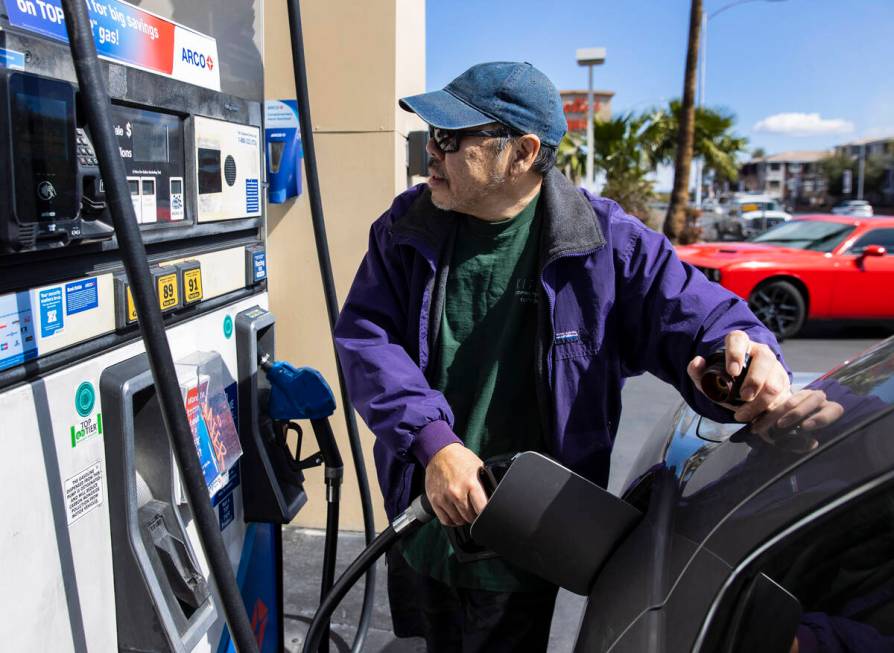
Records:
x=671, y=312
x=386, y=385
x=823, y=633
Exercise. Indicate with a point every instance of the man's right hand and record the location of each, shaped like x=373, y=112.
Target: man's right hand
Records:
x=452, y=485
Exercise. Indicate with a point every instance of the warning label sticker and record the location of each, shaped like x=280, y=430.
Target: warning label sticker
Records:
x=83, y=492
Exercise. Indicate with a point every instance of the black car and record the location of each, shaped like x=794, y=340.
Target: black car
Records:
x=750, y=540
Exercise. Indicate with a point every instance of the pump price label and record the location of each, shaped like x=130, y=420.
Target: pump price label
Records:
x=192, y=285
x=168, y=292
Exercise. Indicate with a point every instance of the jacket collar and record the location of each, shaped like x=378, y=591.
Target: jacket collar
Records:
x=569, y=225
x=569, y=221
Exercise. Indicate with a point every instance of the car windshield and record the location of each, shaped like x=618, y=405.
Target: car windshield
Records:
x=806, y=234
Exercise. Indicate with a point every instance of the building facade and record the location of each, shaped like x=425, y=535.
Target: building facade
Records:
x=574, y=104
x=794, y=178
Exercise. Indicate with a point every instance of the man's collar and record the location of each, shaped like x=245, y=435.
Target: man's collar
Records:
x=569, y=220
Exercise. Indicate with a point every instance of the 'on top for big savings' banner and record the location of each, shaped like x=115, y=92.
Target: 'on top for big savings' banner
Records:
x=131, y=36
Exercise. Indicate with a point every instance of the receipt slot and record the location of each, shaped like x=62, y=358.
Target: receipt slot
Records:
x=163, y=602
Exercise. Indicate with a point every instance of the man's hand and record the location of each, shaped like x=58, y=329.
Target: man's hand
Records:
x=801, y=413
x=452, y=485
x=766, y=384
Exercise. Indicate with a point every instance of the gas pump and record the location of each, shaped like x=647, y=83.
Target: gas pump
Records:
x=106, y=543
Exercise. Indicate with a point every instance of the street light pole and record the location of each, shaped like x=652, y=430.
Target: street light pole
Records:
x=699, y=164
x=590, y=57
x=590, y=127
x=861, y=171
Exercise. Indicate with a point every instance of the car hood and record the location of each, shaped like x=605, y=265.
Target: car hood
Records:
x=717, y=255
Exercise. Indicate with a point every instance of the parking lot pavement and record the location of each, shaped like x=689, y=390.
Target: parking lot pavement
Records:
x=646, y=401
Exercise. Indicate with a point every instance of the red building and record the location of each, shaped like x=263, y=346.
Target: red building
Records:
x=575, y=105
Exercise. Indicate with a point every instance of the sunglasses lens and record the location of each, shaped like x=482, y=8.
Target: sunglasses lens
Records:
x=445, y=139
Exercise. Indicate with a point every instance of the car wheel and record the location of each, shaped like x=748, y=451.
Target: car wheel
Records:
x=780, y=306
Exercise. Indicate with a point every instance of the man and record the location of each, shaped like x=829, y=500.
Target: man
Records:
x=497, y=310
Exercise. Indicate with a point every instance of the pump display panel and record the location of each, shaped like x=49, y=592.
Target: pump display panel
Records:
x=151, y=146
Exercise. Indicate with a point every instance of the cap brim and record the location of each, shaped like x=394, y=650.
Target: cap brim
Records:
x=440, y=109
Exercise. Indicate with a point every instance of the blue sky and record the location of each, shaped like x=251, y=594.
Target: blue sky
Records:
x=834, y=58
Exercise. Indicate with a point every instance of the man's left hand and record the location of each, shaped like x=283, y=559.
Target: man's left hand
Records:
x=766, y=384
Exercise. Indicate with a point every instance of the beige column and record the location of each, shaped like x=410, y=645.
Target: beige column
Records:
x=361, y=56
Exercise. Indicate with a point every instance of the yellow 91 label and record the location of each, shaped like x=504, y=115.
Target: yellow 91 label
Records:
x=192, y=281
x=168, y=293
x=131, y=307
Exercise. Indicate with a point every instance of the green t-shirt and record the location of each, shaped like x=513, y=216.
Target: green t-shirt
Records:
x=485, y=358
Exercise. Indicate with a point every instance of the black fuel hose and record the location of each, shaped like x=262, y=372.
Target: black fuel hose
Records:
x=419, y=513
x=316, y=211
x=133, y=254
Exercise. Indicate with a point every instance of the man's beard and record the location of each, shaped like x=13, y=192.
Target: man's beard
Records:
x=471, y=201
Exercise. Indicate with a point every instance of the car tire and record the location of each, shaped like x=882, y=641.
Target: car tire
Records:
x=780, y=306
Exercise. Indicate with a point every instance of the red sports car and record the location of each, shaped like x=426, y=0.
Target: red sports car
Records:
x=813, y=267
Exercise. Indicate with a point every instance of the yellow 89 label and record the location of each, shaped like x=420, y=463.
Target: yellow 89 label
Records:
x=192, y=285
x=168, y=292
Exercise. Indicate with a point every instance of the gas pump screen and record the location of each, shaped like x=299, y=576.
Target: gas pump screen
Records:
x=150, y=142
x=41, y=124
x=45, y=137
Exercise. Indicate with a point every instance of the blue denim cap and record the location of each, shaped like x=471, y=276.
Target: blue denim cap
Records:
x=514, y=94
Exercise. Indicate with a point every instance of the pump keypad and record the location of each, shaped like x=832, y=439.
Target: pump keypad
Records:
x=86, y=155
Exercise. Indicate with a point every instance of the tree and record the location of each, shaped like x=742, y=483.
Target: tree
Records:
x=624, y=152
x=713, y=139
x=758, y=153
x=874, y=174
x=571, y=158
x=833, y=168
x=675, y=222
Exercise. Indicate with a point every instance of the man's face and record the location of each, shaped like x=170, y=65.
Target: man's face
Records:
x=467, y=180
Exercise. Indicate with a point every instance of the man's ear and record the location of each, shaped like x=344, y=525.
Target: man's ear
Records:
x=526, y=150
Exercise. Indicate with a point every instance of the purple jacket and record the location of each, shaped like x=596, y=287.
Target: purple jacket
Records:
x=615, y=301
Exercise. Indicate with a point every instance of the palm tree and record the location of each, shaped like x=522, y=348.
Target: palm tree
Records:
x=623, y=152
x=675, y=222
x=571, y=157
x=713, y=139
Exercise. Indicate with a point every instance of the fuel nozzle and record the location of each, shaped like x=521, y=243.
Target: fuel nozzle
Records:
x=718, y=384
x=296, y=392
x=302, y=393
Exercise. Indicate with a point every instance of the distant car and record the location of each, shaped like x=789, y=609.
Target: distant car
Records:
x=854, y=207
x=812, y=267
x=757, y=222
x=750, y=215
x=750, y=538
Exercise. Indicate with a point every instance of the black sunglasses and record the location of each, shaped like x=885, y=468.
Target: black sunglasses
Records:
x=448, y=140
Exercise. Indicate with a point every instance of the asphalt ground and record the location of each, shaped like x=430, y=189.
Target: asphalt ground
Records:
x=646, y=399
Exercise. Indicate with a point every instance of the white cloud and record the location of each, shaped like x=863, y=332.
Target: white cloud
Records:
x=803, y=124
